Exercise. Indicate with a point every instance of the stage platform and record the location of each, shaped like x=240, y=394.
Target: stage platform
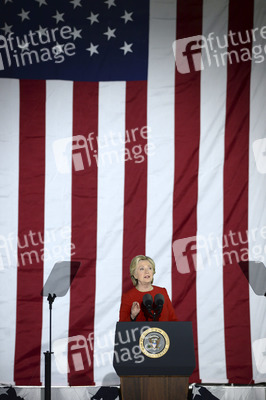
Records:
x=196, y=392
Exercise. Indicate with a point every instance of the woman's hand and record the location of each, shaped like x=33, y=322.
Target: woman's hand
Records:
x=135, y=309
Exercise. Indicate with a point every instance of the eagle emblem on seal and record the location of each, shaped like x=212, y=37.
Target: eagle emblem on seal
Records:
x=155, y=341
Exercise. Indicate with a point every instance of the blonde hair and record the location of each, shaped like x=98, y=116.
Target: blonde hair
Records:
x=134, y=264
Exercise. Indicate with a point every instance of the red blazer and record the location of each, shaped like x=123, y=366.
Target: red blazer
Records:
x=167, y=314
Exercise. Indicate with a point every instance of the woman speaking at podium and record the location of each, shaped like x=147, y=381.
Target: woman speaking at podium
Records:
x=142, y=270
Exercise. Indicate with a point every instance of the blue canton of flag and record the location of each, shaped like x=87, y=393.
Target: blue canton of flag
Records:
x=201, y=393
x=96, y=40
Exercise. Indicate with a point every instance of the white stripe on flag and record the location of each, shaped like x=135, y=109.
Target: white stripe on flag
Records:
x=58, y=164
x=9, y=178
x=161, y=100
x=109, y=225
x=210, y=314
x=257, y=195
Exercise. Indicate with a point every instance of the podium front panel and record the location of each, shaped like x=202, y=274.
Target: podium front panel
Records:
x=154, y=348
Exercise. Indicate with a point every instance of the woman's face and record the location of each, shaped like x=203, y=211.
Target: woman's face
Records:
x=144, y=273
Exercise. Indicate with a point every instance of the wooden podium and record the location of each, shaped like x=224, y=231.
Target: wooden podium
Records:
x=154, y=359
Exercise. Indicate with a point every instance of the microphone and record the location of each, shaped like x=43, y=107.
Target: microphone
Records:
x=147, y=301
x=159, y=300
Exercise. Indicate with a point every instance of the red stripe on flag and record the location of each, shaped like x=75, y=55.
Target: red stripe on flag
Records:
x=135, y=197
x=187, y=136
x=236, y=288
x=84, y=232
x=30, y=233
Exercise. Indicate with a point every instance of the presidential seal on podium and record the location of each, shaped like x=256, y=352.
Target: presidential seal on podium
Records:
x=154, y=342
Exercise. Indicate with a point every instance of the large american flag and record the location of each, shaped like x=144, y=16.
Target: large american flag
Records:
x=109, y=149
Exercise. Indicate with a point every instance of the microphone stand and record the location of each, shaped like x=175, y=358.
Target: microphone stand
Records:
x=157, y=312
x=150, y=312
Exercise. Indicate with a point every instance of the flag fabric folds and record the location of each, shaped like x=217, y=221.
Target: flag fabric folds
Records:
x=131, y=128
